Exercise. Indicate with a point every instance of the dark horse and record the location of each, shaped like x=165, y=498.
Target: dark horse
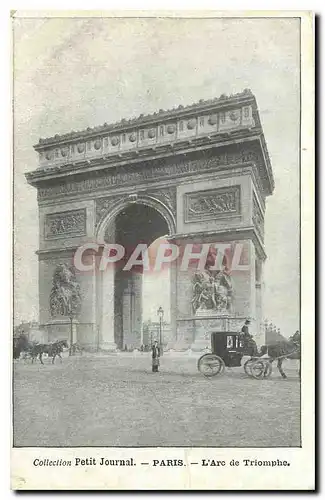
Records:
x=286, y=349
x=52, y=350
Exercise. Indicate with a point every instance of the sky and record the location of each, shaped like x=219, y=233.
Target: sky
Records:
x=70, y=74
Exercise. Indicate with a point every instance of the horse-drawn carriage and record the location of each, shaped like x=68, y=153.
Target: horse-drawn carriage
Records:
x=228, y=349
x=25, y=349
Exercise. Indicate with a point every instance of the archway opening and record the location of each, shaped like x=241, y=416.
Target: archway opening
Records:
x=136, y=291
x=156, y=296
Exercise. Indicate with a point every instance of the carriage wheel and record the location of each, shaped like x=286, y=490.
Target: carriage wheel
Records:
x=248, y=366
x=27, y=357
x=223, y=366
x=257, y=369
x=210, y=365
x=261, y=369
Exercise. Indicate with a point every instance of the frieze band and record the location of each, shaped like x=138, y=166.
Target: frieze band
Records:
x=62, y=224
x=154, y=171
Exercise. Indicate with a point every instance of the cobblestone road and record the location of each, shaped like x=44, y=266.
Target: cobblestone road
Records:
x=117, y=401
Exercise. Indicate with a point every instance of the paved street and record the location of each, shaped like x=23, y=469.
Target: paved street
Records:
x=115, y=400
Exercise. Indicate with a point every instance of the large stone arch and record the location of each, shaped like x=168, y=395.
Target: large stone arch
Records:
x=118, y=324
x=119, y=204
x=203, y=170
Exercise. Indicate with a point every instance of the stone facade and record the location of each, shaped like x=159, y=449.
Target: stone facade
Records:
x=203, y=170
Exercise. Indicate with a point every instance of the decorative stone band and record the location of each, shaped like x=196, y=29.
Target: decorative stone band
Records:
x=63, y=224
x=211, y=204
x=166, y=195
x=156, y=134
x=225, y=235
x=148, y=172
x=57, y=253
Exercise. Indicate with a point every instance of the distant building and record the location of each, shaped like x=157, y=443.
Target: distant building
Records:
x=32, y=330
x=25, y=327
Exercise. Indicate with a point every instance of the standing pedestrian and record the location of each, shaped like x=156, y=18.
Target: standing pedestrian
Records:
x=155, y=356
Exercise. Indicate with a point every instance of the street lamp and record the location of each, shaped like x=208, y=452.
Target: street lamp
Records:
x=160, y=313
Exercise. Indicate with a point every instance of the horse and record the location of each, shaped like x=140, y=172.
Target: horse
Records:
x=286, y=349
x=280, y=351
x=52, y=350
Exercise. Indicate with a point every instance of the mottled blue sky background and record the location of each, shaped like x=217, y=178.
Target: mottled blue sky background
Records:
x=70, y=74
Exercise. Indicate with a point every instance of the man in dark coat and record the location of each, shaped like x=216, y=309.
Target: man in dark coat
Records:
x=155, y=356
x=245, y=328
x=249, y=343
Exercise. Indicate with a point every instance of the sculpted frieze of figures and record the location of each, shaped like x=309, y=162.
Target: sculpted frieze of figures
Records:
x=210, y=203
x=65, y=223
x=159, y=169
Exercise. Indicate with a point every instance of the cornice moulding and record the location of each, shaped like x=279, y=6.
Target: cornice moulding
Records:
x=146, y=154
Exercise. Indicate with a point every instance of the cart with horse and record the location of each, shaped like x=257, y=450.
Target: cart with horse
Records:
x=228, y=350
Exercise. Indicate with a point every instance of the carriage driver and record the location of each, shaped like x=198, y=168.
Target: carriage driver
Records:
x=248, y=339
x=245, y=328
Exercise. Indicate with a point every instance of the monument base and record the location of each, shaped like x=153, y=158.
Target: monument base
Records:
x=60, y=329
x=180, y=345
x=206, y=323
x=108, y=346
x=200, y=345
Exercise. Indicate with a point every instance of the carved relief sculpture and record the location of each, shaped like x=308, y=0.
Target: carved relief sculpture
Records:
x=158, y=170
x=212, y=291
x=208, y=204
x=103, y=206
x=65, y=297
x=167, y=196
x=258, y=219
x=61, y=224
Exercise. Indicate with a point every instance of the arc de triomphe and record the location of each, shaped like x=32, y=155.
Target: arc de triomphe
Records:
x=199, y=174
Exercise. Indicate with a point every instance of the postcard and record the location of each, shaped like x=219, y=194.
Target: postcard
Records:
x=163, y=319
